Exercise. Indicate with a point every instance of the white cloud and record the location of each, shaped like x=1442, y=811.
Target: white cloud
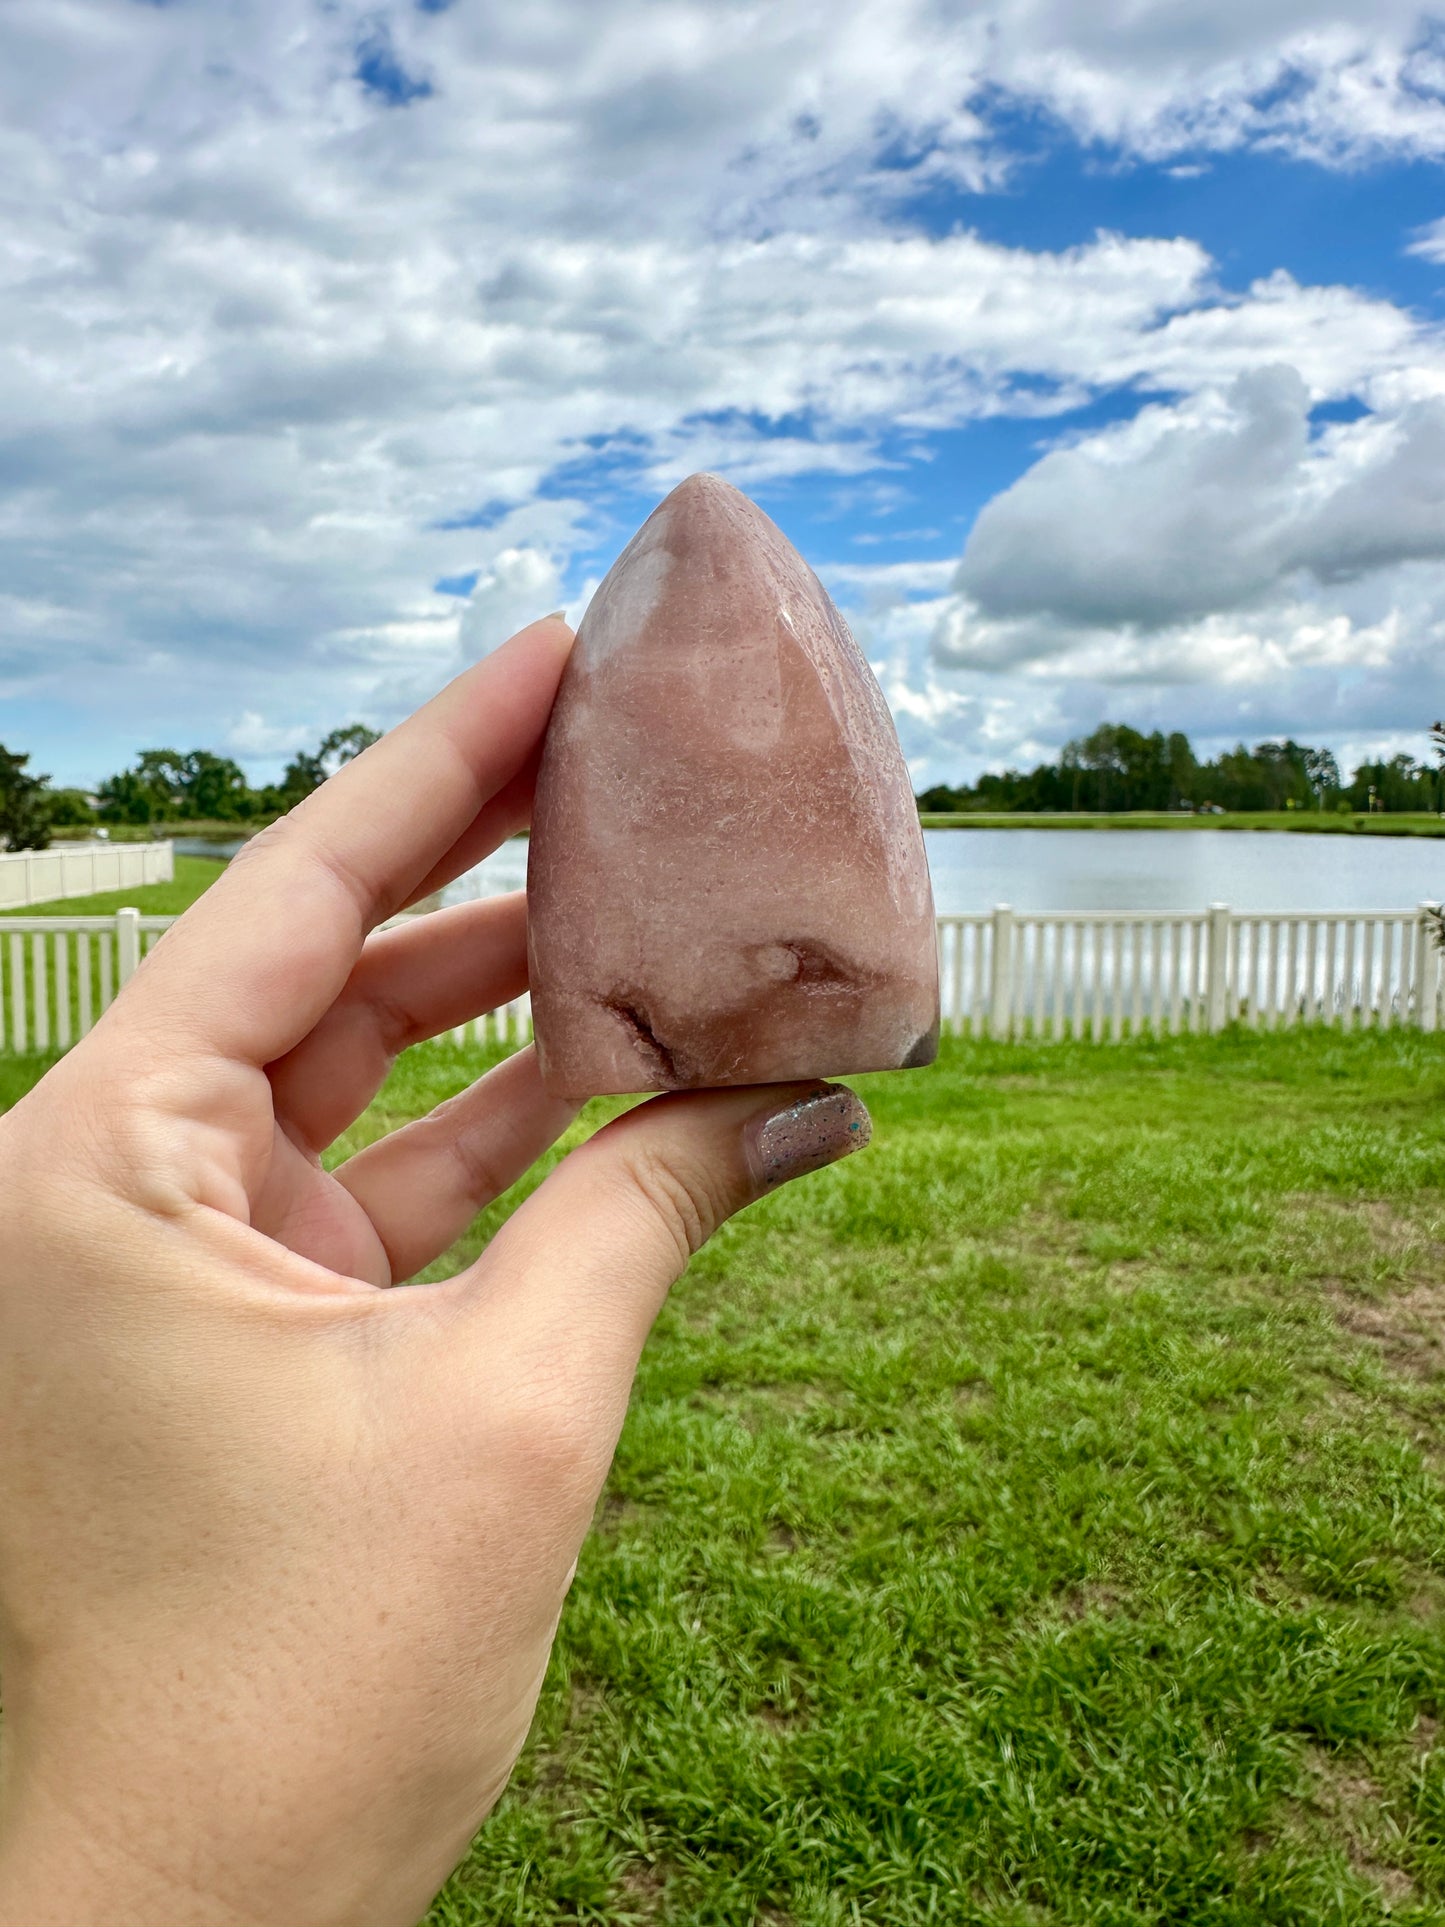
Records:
x=1289, y=580
x=1305, y=668
x=519, y=586
x=252, y=735
x=1336, y=84
x=1429, y=242
x=888, y=581
x=1210, y=505
x=271, y=343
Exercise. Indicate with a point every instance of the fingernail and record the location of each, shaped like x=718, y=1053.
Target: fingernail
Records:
x=814, y=1130
x=557, y=615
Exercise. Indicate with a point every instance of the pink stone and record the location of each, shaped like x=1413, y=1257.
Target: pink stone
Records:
x=726, y=880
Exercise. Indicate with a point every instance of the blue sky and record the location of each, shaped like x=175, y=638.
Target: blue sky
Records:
x=1094, y=355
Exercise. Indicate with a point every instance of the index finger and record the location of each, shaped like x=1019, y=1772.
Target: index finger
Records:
x=254, y=965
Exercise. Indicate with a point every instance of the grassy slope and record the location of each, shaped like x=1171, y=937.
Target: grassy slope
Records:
x=1311, y=822
x=194, y=874
x=1037, y=1519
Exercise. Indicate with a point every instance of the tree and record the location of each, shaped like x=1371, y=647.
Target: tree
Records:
x=1437, y=736
x=166, y=784
x=344, y=744
x=24, y=804
x=214, y=786
x=1117, y=767
x=125, y=798
x=1322, y=773
x=1283, y=769
x=1399, y=784
x=308, y=770
x=1183, y=770
x=304, y=773
x=163, y=771
x=941, y=800
x=1122, y=769
x=70, y=809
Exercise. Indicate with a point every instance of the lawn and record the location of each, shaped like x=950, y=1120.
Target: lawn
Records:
x=194, y=874
x=1039, y=1518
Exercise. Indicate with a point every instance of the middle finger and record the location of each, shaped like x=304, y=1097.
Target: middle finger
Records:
x=415, y=981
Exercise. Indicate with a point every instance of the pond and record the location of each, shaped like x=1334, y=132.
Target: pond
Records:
x=1041, y=870
x=222, y=848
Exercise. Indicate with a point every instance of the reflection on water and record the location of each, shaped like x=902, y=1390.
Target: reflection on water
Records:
x=503, y=870
x=223, y=848
x=1042, y=870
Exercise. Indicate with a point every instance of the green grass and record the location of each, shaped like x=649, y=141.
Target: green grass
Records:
x=194, y=875
x=1036, y=1519
x=1318, y=821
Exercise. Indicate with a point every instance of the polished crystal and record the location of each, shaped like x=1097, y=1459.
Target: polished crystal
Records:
x=726, y=879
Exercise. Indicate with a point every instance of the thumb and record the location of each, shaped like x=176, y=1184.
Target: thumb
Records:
x=579, y=1272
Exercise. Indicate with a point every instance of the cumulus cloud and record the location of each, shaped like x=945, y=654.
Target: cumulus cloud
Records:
x=1209, y=505
x=251, y=735
x=519, y=586
x=1333, y=83
x=308, y=307
x=1308, y=668
x=1289, y=576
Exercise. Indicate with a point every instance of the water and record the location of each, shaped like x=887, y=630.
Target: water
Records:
x=222, y=848
x=1044, y=870
x=504, y=869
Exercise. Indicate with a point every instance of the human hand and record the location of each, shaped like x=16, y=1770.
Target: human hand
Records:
x=282, y=1552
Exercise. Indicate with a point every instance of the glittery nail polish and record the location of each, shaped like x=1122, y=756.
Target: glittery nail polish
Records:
x=816, y=1129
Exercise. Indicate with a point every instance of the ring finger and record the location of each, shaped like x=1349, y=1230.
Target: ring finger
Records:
x=409, y=983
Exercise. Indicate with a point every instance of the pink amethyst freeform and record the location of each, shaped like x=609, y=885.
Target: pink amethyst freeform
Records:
x=726, y=880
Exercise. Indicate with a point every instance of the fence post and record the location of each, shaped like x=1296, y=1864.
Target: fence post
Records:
x=127, y=944
x=1217, y=968
x=1000, y=1000
x=1427, y=968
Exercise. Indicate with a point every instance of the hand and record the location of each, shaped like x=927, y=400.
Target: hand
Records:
x=282, y=1552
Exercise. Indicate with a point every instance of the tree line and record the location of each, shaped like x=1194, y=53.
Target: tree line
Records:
x=164, y=786
x=1118, y=768
x=1114, y=768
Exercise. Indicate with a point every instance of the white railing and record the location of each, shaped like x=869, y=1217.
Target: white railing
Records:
x=79, y=870
x=1106, y=975
x=58, y=974
x=1103, y=975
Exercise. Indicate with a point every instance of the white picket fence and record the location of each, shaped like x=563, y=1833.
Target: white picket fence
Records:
x=79, y=870
x=1104, y=976
x=58, y=974
x=1107, y=976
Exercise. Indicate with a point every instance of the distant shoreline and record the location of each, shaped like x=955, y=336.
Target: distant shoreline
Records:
x=1295, y=822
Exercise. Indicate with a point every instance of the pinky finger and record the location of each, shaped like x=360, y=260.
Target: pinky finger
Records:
x=422, y=1186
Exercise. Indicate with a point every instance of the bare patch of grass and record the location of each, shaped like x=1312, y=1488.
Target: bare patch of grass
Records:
x=1408, y=1328
x=1354, y=1809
